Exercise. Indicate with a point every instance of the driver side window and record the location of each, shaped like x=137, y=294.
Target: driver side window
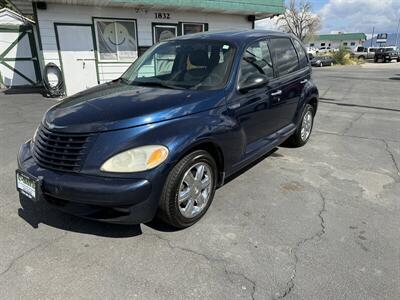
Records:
x=256, y=59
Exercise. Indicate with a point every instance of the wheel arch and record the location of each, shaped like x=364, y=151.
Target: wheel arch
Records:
x=313, y=101
x=214, y=150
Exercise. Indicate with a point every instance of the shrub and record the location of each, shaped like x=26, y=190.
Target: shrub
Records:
x=343, y=57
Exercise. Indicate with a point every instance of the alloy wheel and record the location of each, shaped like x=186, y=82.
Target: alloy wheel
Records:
x=195, y=190
x=306, y=125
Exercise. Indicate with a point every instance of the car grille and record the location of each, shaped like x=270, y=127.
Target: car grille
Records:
x=60, y=151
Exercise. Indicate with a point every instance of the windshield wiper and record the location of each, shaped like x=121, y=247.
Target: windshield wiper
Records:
x=157, y=84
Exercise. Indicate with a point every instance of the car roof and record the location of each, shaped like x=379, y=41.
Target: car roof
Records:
x=233, y=36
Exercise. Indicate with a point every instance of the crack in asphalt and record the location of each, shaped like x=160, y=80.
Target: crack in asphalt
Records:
x=29, y=251
x=395, y=164
x=228, y=273
x=347, y=129
x=290, y=285
x=384, y=141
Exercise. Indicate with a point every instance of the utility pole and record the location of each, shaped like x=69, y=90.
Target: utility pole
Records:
x=397, y=33
x=372, y=39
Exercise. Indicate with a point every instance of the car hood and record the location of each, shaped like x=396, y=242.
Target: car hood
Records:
x=118, y=105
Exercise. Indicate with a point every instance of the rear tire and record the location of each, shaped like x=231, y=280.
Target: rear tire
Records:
x=183, y=201
x=303, y=132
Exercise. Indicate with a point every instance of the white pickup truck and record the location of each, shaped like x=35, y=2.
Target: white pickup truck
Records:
x=363, y=53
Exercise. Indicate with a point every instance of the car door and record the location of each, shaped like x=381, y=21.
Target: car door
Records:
x=252, y=109
x=293, y=72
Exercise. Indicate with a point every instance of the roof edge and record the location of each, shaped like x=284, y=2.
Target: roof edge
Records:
x=16, y=15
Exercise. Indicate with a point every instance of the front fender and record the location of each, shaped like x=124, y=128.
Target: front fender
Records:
x=179, y=135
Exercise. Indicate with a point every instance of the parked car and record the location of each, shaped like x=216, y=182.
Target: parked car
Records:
x=161, y=139
x=363, y=53
x=324, y=50
x=387, y=55
x=322, y=61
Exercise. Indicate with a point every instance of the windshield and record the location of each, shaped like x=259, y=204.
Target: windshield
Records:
x=188, y=64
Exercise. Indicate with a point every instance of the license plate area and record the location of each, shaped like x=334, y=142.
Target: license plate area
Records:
x=28, y=185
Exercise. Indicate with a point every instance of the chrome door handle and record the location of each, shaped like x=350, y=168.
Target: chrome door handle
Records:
x=304, y=81
x=277, y=93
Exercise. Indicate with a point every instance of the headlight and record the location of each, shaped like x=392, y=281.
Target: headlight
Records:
x=136, y=160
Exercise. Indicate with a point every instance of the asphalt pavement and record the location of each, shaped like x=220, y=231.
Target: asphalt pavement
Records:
x=319, y=222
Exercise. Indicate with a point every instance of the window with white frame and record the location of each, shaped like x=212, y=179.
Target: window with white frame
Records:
x=116, y=40
x=189, y=28
x=163, y=32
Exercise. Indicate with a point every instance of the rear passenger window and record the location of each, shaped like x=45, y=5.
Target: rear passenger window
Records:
x=256, y=59
x=301, y=54
x=285, y=56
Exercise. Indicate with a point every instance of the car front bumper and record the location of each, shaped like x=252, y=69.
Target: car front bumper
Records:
x=107, y=199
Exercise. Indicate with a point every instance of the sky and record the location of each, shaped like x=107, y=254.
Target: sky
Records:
x=353, y=16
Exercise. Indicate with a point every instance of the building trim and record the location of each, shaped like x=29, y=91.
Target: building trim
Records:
x=340, y=37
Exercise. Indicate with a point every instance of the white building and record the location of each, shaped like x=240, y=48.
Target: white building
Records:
x=338, y=40
x=96, y=41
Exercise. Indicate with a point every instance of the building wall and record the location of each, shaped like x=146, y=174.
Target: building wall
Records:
x=336, y=44
x=58, y=13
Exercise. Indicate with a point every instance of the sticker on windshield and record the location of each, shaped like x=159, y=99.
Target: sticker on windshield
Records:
x=225, y=47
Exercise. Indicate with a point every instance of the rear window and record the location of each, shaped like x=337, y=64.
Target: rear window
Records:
x=285, y=55
x=303, y=62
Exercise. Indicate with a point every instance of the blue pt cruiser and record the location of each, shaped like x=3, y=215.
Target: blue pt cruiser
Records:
x=160, y=139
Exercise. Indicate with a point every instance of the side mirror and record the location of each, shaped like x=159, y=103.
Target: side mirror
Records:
x=254, y=81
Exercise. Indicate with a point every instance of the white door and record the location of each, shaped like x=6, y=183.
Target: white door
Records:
x=77, y=57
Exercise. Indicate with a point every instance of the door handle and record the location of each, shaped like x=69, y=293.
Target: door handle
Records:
x=277, y=93
x=304, y=81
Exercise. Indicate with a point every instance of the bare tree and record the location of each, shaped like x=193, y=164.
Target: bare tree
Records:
x=299, y=20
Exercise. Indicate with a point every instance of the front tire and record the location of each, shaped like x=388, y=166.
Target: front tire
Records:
x=189, y=190
x=303, y=132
